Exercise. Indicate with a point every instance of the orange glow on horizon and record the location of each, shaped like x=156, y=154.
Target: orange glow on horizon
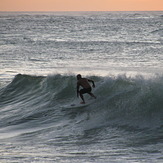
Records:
x=81, y=5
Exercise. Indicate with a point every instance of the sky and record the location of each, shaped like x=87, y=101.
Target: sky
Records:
x=81, y=5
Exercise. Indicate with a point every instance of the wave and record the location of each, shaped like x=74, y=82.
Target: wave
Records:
x=158, y=31
x=32, y=101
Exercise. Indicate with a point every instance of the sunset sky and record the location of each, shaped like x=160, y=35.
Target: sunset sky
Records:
x=81, y=5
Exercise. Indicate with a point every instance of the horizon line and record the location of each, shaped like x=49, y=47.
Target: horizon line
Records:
x=92, y=11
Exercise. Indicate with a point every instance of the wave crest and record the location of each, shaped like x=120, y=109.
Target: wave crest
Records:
x=121, y=101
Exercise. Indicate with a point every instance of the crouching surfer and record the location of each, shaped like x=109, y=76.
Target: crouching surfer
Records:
x=86, y=88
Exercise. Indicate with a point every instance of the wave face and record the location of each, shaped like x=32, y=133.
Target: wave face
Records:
x=121, y=101
x=127, y=115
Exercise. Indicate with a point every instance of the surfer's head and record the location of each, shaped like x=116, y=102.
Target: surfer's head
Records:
x=79, y=76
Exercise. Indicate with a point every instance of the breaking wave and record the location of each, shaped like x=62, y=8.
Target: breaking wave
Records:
x=36, y=101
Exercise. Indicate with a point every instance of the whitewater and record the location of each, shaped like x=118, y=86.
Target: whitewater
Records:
x=40, y=56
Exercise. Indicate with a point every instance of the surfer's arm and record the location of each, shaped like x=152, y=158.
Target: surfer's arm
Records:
x=93, y=84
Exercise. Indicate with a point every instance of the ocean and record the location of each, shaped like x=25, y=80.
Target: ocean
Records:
x=40, y=55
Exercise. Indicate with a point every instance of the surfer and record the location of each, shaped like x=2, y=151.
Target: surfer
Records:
x=84, y=82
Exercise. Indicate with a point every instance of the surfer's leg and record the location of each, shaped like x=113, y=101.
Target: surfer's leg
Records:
x=81, y=96
x=91, y=94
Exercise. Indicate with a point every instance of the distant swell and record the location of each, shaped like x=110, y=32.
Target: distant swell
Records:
x=121, y=101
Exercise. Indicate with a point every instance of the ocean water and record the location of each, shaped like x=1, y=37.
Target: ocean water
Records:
x=40, y=56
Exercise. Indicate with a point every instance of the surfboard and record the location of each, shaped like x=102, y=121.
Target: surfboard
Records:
x=76, y=104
